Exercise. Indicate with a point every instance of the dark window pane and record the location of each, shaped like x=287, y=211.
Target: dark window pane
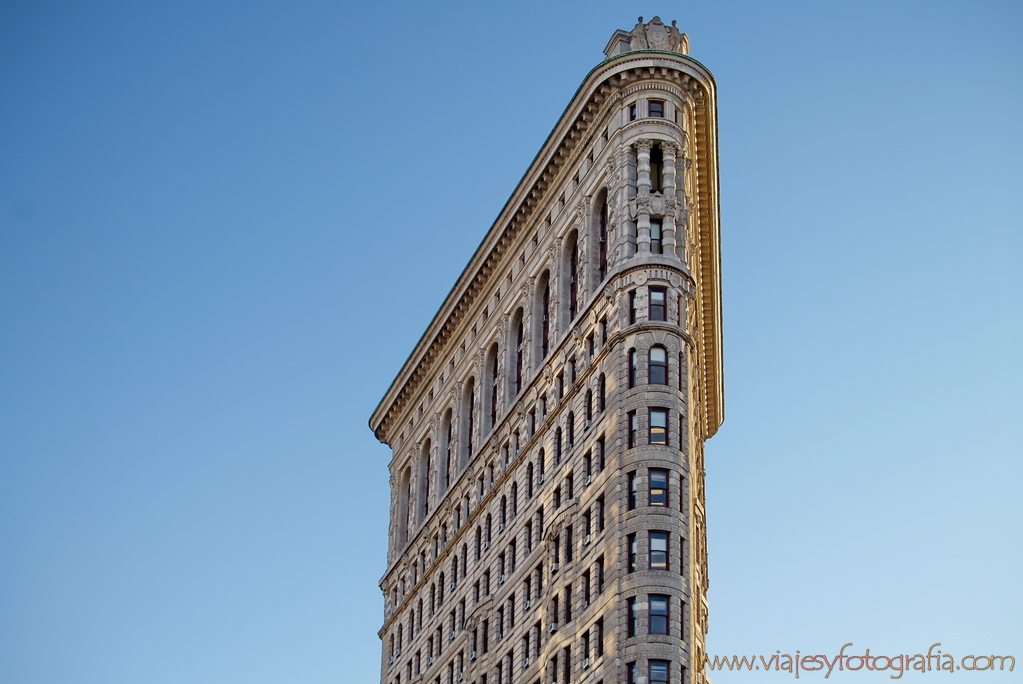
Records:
x=658, y=308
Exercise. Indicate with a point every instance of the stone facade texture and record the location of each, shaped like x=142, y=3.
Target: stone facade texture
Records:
x=547, y=480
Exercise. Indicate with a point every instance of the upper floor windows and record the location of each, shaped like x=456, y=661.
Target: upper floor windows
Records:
x=519, y=352
x=633, y=365
x=656, y=241
x=545, y=322
x=658, y=304
x=656, y=169
x=469, y=413
x=633, y=111
x=602, y=239
x=573, y=278
x=658, y=368
x=493, y=382
x=655, y=108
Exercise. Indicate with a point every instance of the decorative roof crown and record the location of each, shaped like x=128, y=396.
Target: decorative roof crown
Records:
x=652, y=36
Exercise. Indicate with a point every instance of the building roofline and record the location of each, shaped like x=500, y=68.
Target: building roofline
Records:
x=498, y=229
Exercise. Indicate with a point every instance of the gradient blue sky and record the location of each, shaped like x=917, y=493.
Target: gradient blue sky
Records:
x=223, y=227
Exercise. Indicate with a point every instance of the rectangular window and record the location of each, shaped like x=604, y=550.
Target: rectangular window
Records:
x=633, y=429
x=658, y=487
x=630, y=673
x=632, y=489
x=658, y=550
x=600, y=575
x=656, y=108
x=658, y=426
x=632, y=112
x=631, y=551
x=659, y=672
x=656, y=240
x=659, y=614
x=632, y=308
x=658, y=304
x=598, y=637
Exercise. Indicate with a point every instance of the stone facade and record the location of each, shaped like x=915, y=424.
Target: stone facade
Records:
x=547, y=503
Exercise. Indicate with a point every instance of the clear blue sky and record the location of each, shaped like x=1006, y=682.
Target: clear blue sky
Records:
x=223, y=227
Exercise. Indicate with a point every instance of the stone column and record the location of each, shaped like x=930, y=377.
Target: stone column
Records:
x=625, y=225
x=642, y=197
x=668, y=224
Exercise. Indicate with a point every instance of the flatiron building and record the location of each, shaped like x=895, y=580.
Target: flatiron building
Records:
x=547, y=521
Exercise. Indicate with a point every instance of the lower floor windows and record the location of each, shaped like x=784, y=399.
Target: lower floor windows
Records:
x=659, y=671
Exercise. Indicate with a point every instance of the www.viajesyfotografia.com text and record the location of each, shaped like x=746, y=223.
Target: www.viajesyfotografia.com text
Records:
x=933, y=661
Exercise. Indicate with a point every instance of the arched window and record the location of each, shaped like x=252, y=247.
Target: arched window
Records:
x=571, y=429
x=557, y=446
x=493, y=381
x=633, y=359
x=573, y=276
x=514, y=499
x=589, y=405
x=545, y=315
x=656, y=169
x=601, y=392
x=405, y=506
x=529, y=481
x=658, y=366
x=519, y=337
x=602, y=237
x=446, y=435
x=540, y=466
x=479, y=542
x=424, y=480
x=469, y=417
